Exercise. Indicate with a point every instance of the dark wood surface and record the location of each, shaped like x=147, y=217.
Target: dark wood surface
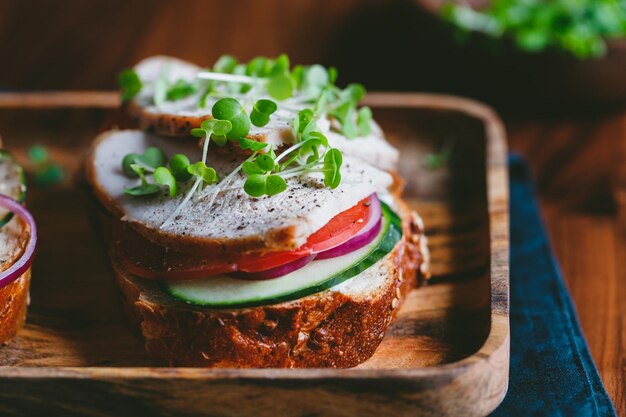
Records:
x=446, y=354
x=579, y=164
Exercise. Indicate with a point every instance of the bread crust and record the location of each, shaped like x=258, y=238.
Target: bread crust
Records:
x=13, y=304
x=328, y=329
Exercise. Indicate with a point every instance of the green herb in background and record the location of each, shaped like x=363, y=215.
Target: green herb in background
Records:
x=580, y=27
x=440, y=159
x=45, y=172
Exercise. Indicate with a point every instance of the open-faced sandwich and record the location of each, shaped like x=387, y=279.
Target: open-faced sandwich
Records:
x=17, y=245
x=255, y=217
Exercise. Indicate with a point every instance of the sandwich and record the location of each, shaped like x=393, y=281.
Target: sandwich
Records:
x=254, y=215
x=17, y=245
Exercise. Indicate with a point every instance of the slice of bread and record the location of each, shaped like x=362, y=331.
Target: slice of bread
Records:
x=13, y=297
x=340, y=327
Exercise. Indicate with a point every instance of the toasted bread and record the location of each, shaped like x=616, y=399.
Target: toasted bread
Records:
x=340, y=327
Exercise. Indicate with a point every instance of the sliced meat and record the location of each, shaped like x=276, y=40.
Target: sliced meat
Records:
x=177, y=118
x=234, y=221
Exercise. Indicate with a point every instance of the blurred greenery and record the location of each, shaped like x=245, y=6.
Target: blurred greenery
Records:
x=580, y=27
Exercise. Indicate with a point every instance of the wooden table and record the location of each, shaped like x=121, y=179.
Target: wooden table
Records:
x=578, y=164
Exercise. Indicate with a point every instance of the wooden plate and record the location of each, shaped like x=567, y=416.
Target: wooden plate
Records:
x=446, y=355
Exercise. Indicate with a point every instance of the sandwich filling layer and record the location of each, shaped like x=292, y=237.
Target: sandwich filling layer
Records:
x=227, y=292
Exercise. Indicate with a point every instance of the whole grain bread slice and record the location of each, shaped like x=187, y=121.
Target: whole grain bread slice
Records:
x=340, y=327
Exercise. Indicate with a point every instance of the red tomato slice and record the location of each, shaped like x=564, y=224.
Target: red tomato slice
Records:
x=148, y=260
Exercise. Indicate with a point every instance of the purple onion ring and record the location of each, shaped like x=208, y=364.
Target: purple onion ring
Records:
x=24, y=262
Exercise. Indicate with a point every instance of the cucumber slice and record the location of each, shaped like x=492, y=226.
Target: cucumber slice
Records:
x=226, y=292
x=12, y=183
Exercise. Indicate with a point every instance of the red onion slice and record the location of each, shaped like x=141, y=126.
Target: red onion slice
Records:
x=23, y=263
x=365, y=235
x=279, y=271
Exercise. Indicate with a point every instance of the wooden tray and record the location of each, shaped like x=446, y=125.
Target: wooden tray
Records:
x=446, y=355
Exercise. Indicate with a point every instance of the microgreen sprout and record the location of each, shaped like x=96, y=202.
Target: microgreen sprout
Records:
x=251, y=94
x=580, y=27
x=207, y=174
x=180, y=89
x=439, y=159
x=179, y=167
x=261, y=112
x=216, y=129
x=151, y=158
x=46, y=171
x=231, y=110
x=145, y=188
x=130, y=83
x=164, y=176
x=266, y=175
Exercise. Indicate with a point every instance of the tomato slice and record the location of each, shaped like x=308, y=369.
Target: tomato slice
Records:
x=148, y=260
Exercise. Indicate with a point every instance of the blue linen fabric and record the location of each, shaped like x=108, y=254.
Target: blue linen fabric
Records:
x=552, y=372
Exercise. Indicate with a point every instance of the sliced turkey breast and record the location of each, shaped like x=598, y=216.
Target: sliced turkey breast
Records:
x=177, y=118
x=230, y=219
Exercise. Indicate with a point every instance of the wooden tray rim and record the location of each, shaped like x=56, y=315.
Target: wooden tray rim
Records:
x=497, y=340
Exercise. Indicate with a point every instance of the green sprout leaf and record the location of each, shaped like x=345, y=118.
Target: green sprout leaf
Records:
x=275, y=184
x=37, y=154
x=200, y=170
x=251, y=168
x=440, y=159
x=364, y=121
x=262, y=111
x=217, y=129
x=265, y=162
x=163, y=176
x=297, y=75
x=130, y=83
x=180, y=89
x=315, y=79
x=259, y=67
x=332, y=75
x=332, y=168
x=49, y=174
x=280, y=86
x=152, y=157
x=127, y=161
x=144, y=188
x=255, y=185
x=345, y=115
x=353, y=93
x=231, y=110
x=178, y=167
x=253, y=145
x=225, y=64
x=311, y=146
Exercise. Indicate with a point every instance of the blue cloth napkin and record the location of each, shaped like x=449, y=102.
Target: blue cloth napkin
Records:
x=552, y=373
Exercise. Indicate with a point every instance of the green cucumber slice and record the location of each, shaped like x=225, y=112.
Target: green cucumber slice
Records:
x=226, y=292
x=12, y=183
